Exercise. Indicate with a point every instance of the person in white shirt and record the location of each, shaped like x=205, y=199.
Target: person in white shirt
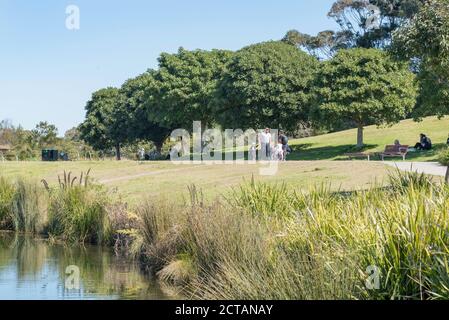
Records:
x=265, y=144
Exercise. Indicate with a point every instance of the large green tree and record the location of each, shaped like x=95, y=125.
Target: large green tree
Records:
x=185, y=83
x=362, y=23
x=266, y=85
x=44, y=135
x=364, y=86
x=426, y=40
x=133, y=97
x=105, y=125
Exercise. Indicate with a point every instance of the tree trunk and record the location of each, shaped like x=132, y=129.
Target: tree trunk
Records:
x=159, y=146
x=360, y=136
x=117, y=152
x=447, y=175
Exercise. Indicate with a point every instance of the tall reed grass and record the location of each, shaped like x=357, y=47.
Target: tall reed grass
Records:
x=272, y=243
x=7, y=191
x=74, y=211
x=264, y=241
x=23, y=206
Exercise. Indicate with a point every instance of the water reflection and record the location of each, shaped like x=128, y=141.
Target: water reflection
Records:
x=35, y=269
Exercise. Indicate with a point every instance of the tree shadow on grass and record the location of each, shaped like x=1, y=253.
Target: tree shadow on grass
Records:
x=307, y=153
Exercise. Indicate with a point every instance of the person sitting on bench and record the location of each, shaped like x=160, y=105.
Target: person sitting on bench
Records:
x=424, y=144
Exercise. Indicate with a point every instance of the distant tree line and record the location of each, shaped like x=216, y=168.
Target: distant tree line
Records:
x=28, y=144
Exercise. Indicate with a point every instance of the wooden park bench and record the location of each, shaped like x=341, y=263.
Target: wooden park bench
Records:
x=355, y=155
x=395, y=151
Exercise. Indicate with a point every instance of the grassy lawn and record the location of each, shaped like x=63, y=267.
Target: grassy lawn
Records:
x=135, y=180
x=333, y=146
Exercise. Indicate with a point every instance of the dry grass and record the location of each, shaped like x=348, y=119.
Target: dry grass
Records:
x=135, y=181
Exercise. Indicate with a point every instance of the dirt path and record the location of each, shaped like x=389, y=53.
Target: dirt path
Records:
x=143, y=174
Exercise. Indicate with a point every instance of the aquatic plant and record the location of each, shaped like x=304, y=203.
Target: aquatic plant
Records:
x=7, y=191
x=29, y=207
x=323, y=247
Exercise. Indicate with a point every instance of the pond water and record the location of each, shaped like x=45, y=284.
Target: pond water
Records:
x=34, y=269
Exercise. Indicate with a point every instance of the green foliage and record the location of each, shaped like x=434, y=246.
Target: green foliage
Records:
x=363, y=24
x=44, y=135
x=78, y=214
x=74, y=212
x=403, y=181
x=104, y=125
x=133, y=97
x=184, y=88
x=364, y=86
x=263, y=200
x=78, y=210
x=29, y=208
x=320, y=250
x=426, y=39
x=443, y=157
x=266, y=85
x=7, y=193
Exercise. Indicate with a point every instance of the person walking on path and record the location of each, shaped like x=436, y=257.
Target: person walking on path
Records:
x=265, y=144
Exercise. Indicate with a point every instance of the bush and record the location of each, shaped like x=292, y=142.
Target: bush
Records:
x=29, y=207
x=7, y=191
x=160, y=225
x=443, y=157
x=79, y=214
x=262, y=200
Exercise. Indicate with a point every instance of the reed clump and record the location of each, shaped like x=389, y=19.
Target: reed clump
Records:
x=75, y=210
x=264, y=241
x=272, y=243
x=78, y=210
x=7, y=192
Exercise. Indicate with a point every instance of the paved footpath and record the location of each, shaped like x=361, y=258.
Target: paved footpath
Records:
x=433, y=168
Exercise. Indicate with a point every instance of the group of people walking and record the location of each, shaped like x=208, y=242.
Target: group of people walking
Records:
x=269, y=149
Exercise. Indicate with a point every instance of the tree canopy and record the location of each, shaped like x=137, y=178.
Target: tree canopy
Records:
x=266, y=85
x=185, y=83
x=362, y=23
x=133, y=98
x=364, y=86
x=103, y=127
x=426, y=39
x=44, y=135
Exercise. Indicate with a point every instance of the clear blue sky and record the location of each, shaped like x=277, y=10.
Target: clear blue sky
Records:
x=48, y=72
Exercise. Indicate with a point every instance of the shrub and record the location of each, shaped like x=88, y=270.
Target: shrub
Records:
x=79, y=214
x=29, y=207
x=7, y=192
x=160, y=225
x=263, y=200
x=443, y=157
x=403, y=181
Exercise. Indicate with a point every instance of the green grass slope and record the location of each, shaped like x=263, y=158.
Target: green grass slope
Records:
x=333, y=146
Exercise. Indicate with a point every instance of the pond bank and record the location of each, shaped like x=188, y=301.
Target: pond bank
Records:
x=33, y=268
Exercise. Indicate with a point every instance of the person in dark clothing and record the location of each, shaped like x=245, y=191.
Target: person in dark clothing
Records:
x=424, y=144
x=283, y=139
x=447, y=141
